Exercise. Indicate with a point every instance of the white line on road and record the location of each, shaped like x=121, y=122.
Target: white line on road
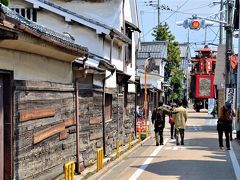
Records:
x=235, y=163
x=175, y=148
x=146, y=163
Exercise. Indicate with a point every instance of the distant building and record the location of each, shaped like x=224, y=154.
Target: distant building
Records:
x=157, y=50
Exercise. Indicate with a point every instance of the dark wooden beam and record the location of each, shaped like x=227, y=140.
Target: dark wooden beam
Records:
x=6, y=33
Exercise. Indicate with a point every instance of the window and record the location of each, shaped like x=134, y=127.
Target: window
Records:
x=108, y=106
x=30, y=14
x=128, y=49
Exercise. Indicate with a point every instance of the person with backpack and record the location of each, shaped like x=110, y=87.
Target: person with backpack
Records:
x=180, y=119
x=224, y=124
x=158, y=119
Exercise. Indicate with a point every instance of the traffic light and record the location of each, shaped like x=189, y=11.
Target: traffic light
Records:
x=196, y=24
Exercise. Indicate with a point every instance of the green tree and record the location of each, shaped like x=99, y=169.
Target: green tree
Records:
x=172, y=71
x=5, y=2
x=176, y=84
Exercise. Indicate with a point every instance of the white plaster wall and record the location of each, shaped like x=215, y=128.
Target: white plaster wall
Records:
x=109, y=12
x=33, y=67
x=111, y=81
x=83, y=35
x=131, y=69
x=131, y=15
x=19, y=4
x=128, y=11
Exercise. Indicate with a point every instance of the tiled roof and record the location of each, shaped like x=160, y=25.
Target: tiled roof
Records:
x=118, y=33
x=39, y=30
x=156, y=49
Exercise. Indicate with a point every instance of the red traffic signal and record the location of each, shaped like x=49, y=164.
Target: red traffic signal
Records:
x=195, y=24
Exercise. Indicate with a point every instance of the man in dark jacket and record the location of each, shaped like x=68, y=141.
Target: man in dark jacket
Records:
x=158, y=119
x=224, y=124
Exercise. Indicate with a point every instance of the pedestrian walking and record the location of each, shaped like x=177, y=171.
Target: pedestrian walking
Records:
x=158, y=119
x=224, y=124
x=180, y=119
x=171, y=122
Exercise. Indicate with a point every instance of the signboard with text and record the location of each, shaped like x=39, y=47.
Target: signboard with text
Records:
x=231, y=96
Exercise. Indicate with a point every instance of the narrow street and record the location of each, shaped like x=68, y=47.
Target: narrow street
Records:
x=199, y=158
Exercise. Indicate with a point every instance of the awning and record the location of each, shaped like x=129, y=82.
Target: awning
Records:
x=132, y=26
x=93, y=65
x=133, y=82
x=122, y=77
x=106, y=65
x=82, y=64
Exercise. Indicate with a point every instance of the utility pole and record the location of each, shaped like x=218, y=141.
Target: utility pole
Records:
x=187, y=71
x=158, y=13
x=156, y=4
x=238, y=80
x=229, y=30
x=221, y=24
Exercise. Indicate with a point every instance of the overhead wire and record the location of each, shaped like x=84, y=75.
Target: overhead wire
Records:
x=177, y=11
x=167, y=18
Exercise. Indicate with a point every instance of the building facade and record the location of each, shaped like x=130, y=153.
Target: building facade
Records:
x=104, y=79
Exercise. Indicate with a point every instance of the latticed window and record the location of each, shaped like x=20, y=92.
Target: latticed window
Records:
x=29, y=13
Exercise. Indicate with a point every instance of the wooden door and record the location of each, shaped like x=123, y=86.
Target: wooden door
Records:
x=1, y=131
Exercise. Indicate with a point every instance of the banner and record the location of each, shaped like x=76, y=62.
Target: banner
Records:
x=231, y=96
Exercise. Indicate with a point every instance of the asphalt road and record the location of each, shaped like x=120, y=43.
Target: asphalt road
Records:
x=199, y=158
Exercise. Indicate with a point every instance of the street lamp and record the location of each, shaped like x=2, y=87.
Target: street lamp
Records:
x=151, y=64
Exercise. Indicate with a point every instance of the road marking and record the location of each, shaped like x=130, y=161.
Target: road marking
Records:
x=175, y=148
x=146, y=162
x=235, y=163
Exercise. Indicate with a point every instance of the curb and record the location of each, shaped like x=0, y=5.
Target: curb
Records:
x=110, y=162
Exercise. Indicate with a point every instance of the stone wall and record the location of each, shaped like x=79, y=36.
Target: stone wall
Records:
x=129, y=121
x=43, y=136
x=91, y=133
x=112, y=131
x=45, y=127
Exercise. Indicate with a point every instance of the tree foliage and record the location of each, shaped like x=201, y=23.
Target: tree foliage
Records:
x=5, y=2
x=176, y=84
x=172, y=71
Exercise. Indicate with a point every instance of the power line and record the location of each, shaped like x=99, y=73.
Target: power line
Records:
x=176, y=10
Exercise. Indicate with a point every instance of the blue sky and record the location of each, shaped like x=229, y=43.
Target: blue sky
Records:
x=181, y=10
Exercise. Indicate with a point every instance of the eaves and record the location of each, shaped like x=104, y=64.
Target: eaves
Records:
x=72, y=16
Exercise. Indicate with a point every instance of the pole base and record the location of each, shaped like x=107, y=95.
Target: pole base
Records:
x=238, y=134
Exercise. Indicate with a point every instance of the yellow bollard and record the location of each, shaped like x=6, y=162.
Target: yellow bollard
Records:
x=139, y=137
x=147, y=131
x=118, y=151
x=99, y=159
x=69, y=169
x=129, y=141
